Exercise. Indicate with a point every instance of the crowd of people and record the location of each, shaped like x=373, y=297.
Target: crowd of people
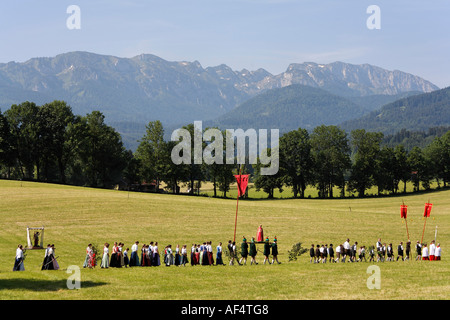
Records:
x=380, y=252
x=149, y=255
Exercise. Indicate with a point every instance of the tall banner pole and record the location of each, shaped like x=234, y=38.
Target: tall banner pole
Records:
x=242, y=181
x=407, y=232
x=237, y=204
x=423, y=231
x=235, y=220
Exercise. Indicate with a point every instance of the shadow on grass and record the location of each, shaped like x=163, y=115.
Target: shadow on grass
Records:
x=42, y=285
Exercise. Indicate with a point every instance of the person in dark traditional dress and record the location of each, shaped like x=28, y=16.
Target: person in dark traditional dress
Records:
x=252, y=252
x=120, y=259
x=400, y=251
x=232, y=249
x=325, y=253
x=312, y=255
x=184, y=258
x=53, y=260
x=156, y=258
x=168, y=257
x=275, y=251
x=390, y=252
x=47, y=265
x=418, y=251
x=144, y=256
x=331, y=252
x=197, y=254
x=18, y=261
x=134, y=259
x=193, y=249
x=266, y=250
x=219, y=260
x=204, y=254
x=317, y=253
x=210, y=253
x=177, y=255
x=113, y=261
x=126, y=260
x=244, y=251
x=408, y=249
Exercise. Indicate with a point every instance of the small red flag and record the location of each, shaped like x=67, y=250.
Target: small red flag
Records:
x=242, y=181
x=427, y=210
x=403, y=211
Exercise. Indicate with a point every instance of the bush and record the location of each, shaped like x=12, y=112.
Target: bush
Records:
x=296, y=251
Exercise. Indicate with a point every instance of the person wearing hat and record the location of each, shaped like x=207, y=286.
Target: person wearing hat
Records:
x=275, y=251
x=253, y=251
x=244, y=251
x=266, y=250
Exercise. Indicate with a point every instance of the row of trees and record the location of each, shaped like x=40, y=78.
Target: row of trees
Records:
x=327, y=158
x=50, y=143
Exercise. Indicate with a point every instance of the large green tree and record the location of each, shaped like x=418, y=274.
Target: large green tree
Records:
x=366, y=147
x=55, y=136
x=331, y=155
x=6, y=145
x=102, y=152
x=24, y=125
x=152, y=153
x=296, y=162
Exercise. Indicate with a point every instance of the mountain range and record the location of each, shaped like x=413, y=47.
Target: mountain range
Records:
x=130, y=92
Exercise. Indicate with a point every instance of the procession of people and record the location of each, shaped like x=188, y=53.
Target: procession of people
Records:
x=380, y=252
x=149, y=255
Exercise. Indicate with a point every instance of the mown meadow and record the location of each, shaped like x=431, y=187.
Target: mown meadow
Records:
x=76, y=216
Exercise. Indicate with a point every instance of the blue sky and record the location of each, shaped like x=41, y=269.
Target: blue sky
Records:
x=270, y=34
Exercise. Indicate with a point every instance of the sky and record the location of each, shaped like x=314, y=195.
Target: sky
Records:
x=413, y=36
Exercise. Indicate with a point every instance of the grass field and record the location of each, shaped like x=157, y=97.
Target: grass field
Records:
x=75, y=216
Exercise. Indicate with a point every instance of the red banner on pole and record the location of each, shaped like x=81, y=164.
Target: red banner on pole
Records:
x=242, y=181
x=403, y=211
x=427, y=211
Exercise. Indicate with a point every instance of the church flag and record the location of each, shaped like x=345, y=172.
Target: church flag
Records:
x=242, y=181
x=427, y=210
x=403, y=211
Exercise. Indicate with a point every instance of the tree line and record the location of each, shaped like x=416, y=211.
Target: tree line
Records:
x=49, y=143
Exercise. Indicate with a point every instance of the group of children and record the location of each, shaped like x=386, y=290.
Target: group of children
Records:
x=379, y=252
